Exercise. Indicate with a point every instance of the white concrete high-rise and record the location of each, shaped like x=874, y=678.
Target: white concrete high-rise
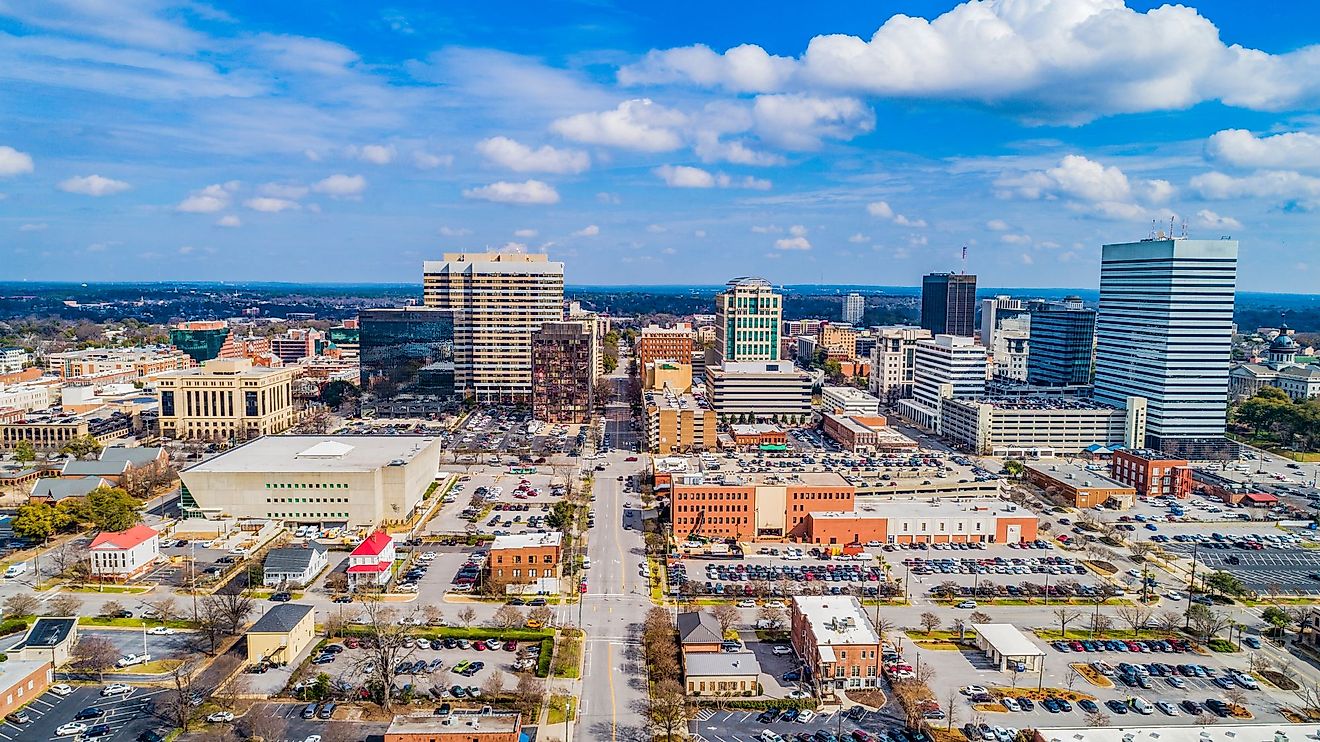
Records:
x=1164, y=332
x=944, y=366
x=854, y=306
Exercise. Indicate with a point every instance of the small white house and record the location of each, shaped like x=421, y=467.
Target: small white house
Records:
x=369, y=565
x=124, y=555
x=298, y=565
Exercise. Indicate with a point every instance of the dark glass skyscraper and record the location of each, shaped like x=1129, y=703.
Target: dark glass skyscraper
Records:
x=407, y=351
x=1062, y=337
x=948, y=304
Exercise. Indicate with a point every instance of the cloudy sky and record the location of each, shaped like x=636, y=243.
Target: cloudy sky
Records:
x=646, y=143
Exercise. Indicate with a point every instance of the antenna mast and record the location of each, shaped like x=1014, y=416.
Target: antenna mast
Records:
x=964, y=260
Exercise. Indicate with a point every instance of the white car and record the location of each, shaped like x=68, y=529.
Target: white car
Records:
x=974, y=690
x=407, y=587
x=428, y=555
x=116, y=689
x=806, y=716
x=798, y=694
x=61, y=689
x=220, y=717
x=313, y=738
x=73, y=728
x=130, y=660
x=160, y=631
x=747, y=604
x=967, y=604
x=781, y=650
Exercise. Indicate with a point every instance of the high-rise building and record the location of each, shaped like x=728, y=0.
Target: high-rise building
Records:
x=948, y=304
x=1011, y=349
x=499, y=300
x=1062, y=340
x=1164, y=332
x=345, y=337
x=993, y=312
x=854, y=306
x=944, y=366
x=747, y=319
x=296, y=344
x=406, y=352
x=891, y=361
x=563, y=372
x=204, y=340
x=656, y=343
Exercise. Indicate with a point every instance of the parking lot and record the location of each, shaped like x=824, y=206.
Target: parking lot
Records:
x=779, y=574
x=126, y=716
x=283, y=722
x=1291, y=571
x=746, y=726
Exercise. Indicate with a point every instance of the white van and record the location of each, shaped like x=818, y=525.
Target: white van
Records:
x=769, y=736
x=1142, y=706
x=586, y=562
x=16, y=569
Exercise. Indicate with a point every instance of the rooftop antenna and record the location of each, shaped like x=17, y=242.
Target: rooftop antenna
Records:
x=964, y=260
x=1184, y=227
x=1172, y=218
x=1152, y=230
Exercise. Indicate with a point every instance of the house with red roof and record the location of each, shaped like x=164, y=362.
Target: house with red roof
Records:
x=124, y=555
x=369, y=564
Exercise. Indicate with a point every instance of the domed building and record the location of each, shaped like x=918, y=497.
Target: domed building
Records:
x=1280, y=370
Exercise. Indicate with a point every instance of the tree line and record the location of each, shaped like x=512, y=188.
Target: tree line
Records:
x=1272, y=412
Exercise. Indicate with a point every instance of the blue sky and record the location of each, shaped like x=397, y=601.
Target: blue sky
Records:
x=653, y=143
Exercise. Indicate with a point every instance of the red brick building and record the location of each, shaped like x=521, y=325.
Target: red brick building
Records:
x=1151, y=473
x=524, y=558
x=664, y=343
x=836, y=641
x=764, y=507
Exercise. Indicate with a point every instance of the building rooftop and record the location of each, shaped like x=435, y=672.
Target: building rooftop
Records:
x=850, y=393
x=457, y=723
x=58, y=489
x=723, y=664
x=49, y=632
x=734, y=478
x=1007, y=640
x=294, y=559
x=134, y=455
x=1040, y=403
x=373, y=545
x=527, y=540
x=928, y=507
x=1149, y=455
x=14, y=671
x=317, y=453
x=93, y=468
x=1190, y=733
x=699, y=627
x=280, y=619
x=123, y=539
x=1077, y=473
x=836, y=619
x=757, y=367
x=755, y=429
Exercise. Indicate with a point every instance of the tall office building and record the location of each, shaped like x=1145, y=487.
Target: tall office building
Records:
x=406, y=352
x=747, y=320
x=854, y=306
x=892, y=360
x=499, y=300
x=563, y=372
x=204, y=340
x=993, y=313
x=1164, y=332
x=1062, y=339
x=225, y=399
x=944, y=366
x=948, y=304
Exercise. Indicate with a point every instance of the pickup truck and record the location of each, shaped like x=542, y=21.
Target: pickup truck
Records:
x=129, y=660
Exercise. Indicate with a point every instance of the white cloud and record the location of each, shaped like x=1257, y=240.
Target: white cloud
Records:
x=1285, y=184
x=505, y=192
x=341, y=186
x=683, y=176
x=455, y=231
x=1026, y=258
x=93, y=185
x=1015, y=239
x=656, y=228
x=591, y=230
x=1156, y=191
x=756, y=184
x=903, y=221
x=611, y=199
x=1209, y=219
x=1292, y=150
x=997, y=225
x=38, y=227
x=710, y=148
x=292, y=191
x=1089, y=187
x=213, y=198
x=859, y=238
x=797, y=230
x=523, y=159
x=882, y=210
x=525, y=233
x=270, y=205
x=1070, y=61
x=426, y=161
x=13, y=162
x=699, y=233
x=637, y=124
x=229, y=220
x=186, y=250
x=766, y=229
x=376, y=154
x=800, y=122
x=792, y=243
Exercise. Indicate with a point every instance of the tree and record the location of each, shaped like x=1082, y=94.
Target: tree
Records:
x=1169, y=621
x=67, y=559
x=166, y=608
x=142, y=482
x=109, y=509
x=178, y=699
x=541, y=615
x=466, y=616
x=494, y=685
x=63, y=605
x=959, y=626
x=529, y=695
x=35, y=521
x=230, y=605
x=111, y=608
x=1135, y=616
x=94, y=654
x=507, y=617
x=1236, y=697
x=433, y=615
x=930, y=621
x=1097, y=719
x=82, y=447
x=666, y=708
x=388, y=642
x=1100, y=623
x=771, y=615
x=20, y=604
x=727, y=616
x=1206, y=623
x=1065, y=617
x=1224, y=583
x=24, y=453
x=1277, y=618
x=979, y=617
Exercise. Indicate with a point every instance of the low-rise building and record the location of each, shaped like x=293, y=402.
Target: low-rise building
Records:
x=754, y=506
x=848, y=400
x=677, y=422
x=22, y=681
x=674, y=374
x=51, y=490
x=1008, y=648
x=483, y=725
x=371, y=563
x=699, y=632
x=929, y=521
x=281, y=634
x=763, y=436
x=294, y=566
x=117, y=364
x=759, y=390
x=225, y=399
x=1040, y=427
x=1151, y=473
x=836, y=641
x=51, y=639
x=722, y=674
x=124, y=555
x=1083, y=485
x=864, y=434
x=523, y=559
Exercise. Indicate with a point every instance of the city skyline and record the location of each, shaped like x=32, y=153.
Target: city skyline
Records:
x=157, y=142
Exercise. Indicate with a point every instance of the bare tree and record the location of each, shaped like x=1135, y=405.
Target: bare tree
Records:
x=530, y=694
x=1065, y=617
x=979, y=617
x=727, y=616
x=433, y=615
x=541, y=615
x=1100, y=623
x=111, y=608
x=1135, y=616
x=65, y=557
x=930, y=621
x=507, y=617
x=666, y=708
x=63, y=605
x=264, y=726
x=1236, y=697
x=951, y=702
x=166, y=608
x=771, y=615
x=467, y=615
x=21, y=604
x=1097, y=719
x=1168, y=621
x=493, y=687
x=388, y=643
x=1204, y=720
x=227, y=695
x=178, y=700
x=94, y=654
x=231, y=606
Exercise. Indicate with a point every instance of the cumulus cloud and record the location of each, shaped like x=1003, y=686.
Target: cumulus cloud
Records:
x=208, y=200
x=610, y=199
x=376, y=154
x=270, y=205
x=13, y=162
x=282, y=190
x=505, y=192
x=1088, y=186
x=524, y=233
x=1209, y=219
x=793, y=243
x=1015, y=239
x=1070, y=61
x=591, y=230
x=882, y=210
x=93, y=185
x=423, y=160
x=997, y=225
x=684, y=176
x=341, y=186
x=859, y=238
x=710, y=148
x=800, y=122
x=1290, y=150
x=638, y=124
x=455, y=231
x=37, y=227
x=523, y=159
x=229, y=220
x=1285, y=184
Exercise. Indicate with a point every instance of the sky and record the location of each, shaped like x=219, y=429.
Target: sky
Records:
x=654, y=143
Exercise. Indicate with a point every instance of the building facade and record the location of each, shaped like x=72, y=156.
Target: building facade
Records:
x=564, y=356
x=948, y=304
x=124, y=555
x=23, y=681
x=117, y=364
x=849, y=400
x=893, y=359
x=839, y=341
x=498, y=300
x=993, y=312
x=753, y=507
x=225, y=399
x=928, y=521
x=656, y=343
x=748, y=314
x=204, y=340
x=759, y=391
x=1083, y=485
x=836, y=641
x=1039, y=427
x=854, y=307
x=678, y=422
x=1164, y=332
x=1151, y=473
x=526, y=559
x=370, y=564
x=279, y=636
x=1062, y=342
x=946, y=366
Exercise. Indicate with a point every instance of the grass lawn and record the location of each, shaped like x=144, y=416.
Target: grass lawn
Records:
x=948, y=636
x=1222, y=645
x=561, y=708
x=568, y=658
x=1052, y=635
x=131, y=623
x=106, y=589
x=157, y=667
x=264, y=594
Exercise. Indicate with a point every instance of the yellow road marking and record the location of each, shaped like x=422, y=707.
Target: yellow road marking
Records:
x=614, y=710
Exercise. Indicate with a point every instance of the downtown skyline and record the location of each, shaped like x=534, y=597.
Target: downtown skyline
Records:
x=146, y=141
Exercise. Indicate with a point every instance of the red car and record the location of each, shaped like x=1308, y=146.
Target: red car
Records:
x=631, y=458
x=582, y=587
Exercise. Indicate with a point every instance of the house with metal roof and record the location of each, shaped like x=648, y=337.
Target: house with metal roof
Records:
x=51, y=490
x=294, y=566
x=699, y=631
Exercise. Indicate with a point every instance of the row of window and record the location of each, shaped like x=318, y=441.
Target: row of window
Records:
x=517, y=559
x=306, y=515
x=305, y=499
x=306, y=485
